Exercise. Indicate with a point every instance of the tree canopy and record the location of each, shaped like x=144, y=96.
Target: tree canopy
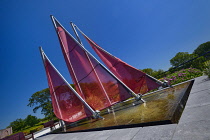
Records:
x=148, y=71
x=181, y=57
x=31, y=120
x=153, y=73
x=17, y=125
x=21, y=124
x=41, y=100
x=201, y=49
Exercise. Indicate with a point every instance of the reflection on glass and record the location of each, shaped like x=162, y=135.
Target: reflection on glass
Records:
x=159, y=106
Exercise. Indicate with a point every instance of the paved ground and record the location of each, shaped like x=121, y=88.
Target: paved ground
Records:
x=44, y=131
x=193, y=125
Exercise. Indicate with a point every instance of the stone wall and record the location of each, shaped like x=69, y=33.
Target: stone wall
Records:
x=5, y=132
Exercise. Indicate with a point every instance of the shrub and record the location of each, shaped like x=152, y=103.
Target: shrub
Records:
x=207, y=68
x=182, y=75
x=33, y=129
x=31, y=120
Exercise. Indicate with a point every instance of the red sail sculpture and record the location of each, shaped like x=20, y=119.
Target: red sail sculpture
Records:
x=99, y=88
x=136, y=80
x=66, y=105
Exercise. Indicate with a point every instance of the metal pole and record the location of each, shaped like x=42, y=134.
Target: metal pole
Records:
x=75, y=32
x=110, y=53
x=63, y=125
x=102, y=87
x=55, y=26
x=72, y=69
x=88, y=59
x=137, y=97
x=94, y=42
x=95, y=114
x=154, y=79
x=42, y=55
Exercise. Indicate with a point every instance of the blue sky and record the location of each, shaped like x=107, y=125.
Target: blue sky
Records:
x=145, y=34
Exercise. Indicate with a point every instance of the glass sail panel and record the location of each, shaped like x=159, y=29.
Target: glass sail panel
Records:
x=135, y=79
x=98, y=87
x=66, y=105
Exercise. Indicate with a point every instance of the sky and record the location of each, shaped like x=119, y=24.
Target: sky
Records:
x=145, y=34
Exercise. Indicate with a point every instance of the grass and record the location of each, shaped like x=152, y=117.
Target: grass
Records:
x=33, y=129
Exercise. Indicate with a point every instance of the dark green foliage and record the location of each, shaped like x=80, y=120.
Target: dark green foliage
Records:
x=182, y=75
x=205, y=47
x=153, y=73
x=198, y=63
x=182, y=57
x=21, y=124
x=157, y=74
x=183, y=60
x=17, y=125
x=41, y=100
x=148, y=71
x=31, y=120
x=207, y=68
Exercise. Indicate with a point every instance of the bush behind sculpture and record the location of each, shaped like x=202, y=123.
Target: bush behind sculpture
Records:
x=207, y=69
x=182, y=75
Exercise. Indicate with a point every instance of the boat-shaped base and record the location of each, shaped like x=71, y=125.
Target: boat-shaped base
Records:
x=161, y=107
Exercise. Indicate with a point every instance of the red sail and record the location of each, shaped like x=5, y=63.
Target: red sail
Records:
x=99, y=89
x=135, y=79
x=66, y=105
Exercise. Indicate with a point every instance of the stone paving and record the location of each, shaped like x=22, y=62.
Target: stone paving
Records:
x=194, y=123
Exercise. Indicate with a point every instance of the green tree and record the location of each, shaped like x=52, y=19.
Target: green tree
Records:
x=153, y=73
x=158, y=74
x=148, y=71
x=31, y=120
x=17, y=125
x=198, y=63
x=41, y=100
x=205, y=47
x=182, y=57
